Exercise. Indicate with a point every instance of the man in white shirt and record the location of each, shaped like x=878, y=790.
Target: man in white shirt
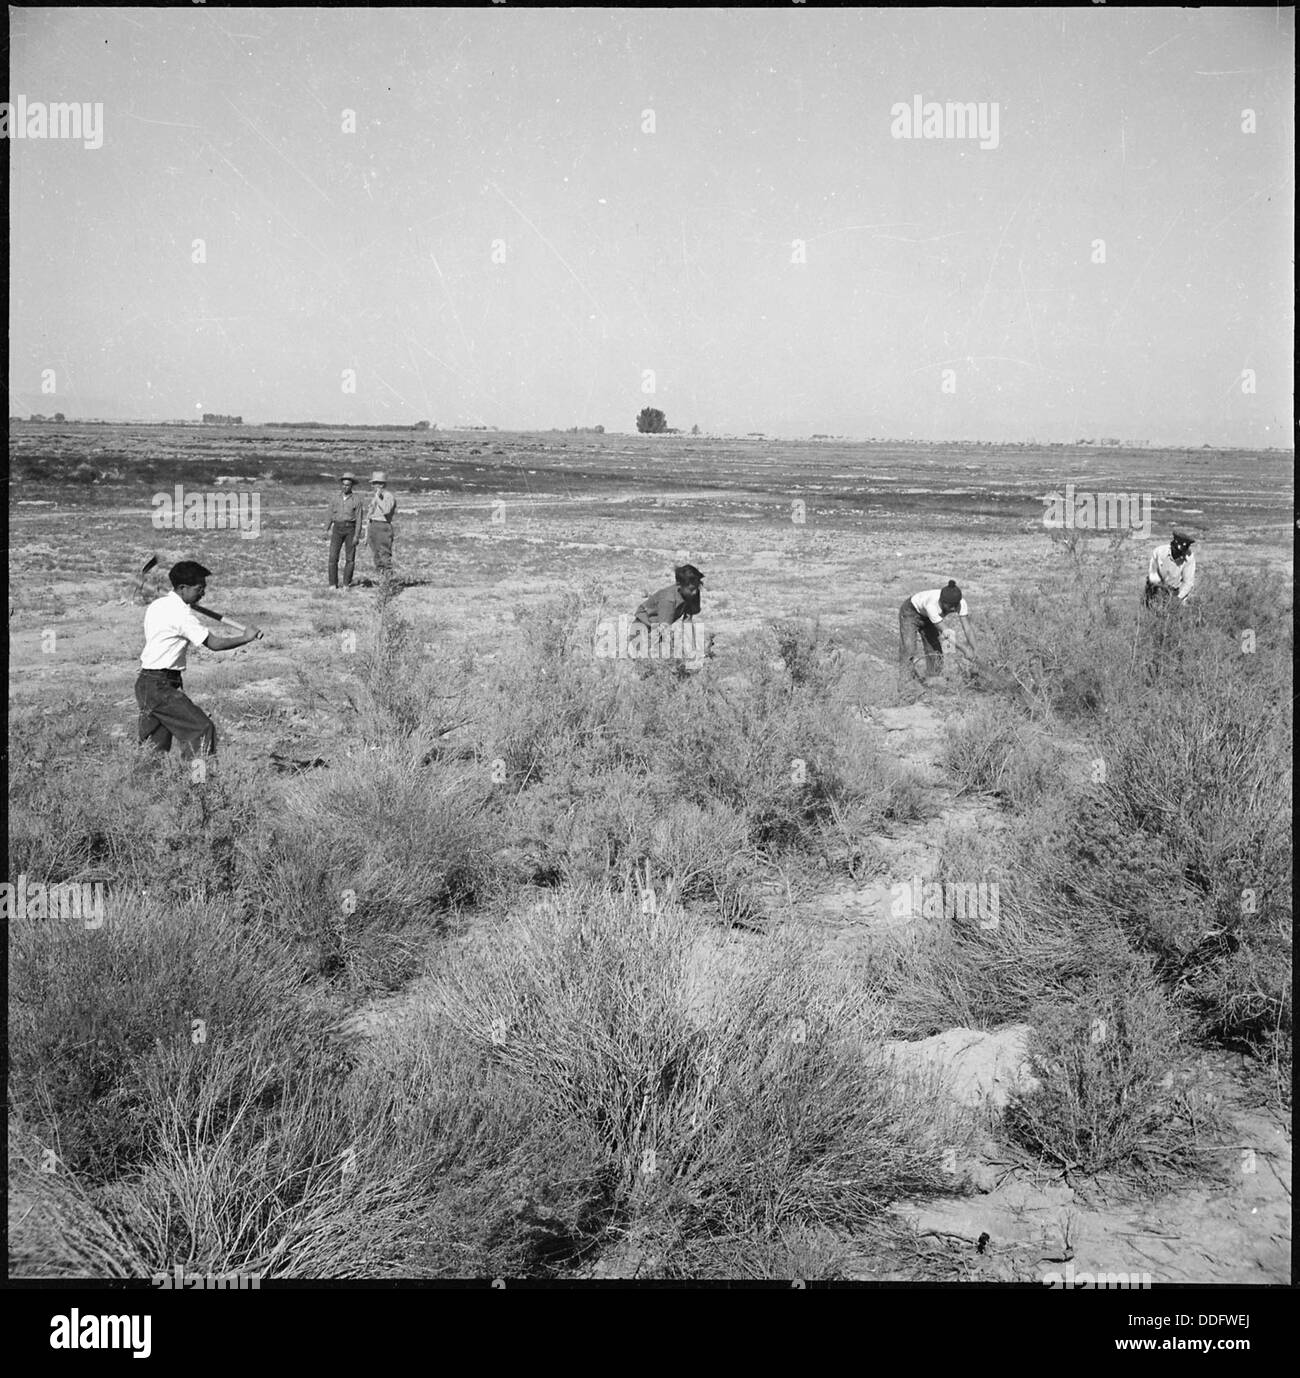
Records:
x=921, y=616
x=1172, y=572
x=171, y=627
x=379, y=522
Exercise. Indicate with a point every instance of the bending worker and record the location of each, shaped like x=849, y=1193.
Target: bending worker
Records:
x=677, y=600
x=1172, y=572
x=921, y=616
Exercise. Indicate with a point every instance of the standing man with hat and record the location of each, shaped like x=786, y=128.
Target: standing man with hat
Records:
x=171, y=627
x=379, y=522
x=343, y=522
x=921, y=616
x=1171, y=573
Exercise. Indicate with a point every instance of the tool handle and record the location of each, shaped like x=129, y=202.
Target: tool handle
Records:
x=219, y=617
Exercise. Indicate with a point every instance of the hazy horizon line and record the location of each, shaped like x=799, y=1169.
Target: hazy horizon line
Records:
x=1102, y=442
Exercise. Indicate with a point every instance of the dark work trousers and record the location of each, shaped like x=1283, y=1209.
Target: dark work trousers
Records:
x=911, y=625
x=381, y=544
x=166, y=712
x=343, y=536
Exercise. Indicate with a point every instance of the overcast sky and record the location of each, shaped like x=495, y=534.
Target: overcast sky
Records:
x=949, y=291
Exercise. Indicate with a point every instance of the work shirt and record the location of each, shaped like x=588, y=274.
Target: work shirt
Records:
x=382, y=506
x=662, y=608
x=1165, y=574
x=927, y=603
x=171, y=627
x=346, y=507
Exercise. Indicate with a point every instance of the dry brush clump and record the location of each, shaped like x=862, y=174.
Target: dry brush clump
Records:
x=718, y=1099
x=91, y=1008
x=1109, y=1102
x=1165, y=866
x=602, y=769
x=365, y=864
x=176, y=1097
x=1186, y=841
x=101, y=810
x=993, y=749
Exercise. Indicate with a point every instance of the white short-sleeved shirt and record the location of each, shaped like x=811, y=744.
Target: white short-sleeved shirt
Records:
x=171, y=627
x=928, y=603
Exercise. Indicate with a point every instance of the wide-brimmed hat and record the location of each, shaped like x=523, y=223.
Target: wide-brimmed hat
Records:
x=379, y=476
x=687, y=574
x=353, y=477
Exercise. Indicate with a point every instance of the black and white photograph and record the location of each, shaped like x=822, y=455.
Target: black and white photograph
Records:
x=650, y=648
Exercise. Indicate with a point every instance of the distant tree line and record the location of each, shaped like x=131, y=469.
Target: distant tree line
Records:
x=342, y=426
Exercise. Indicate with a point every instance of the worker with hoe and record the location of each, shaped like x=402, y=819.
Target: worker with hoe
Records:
x=171, y=627
x=679, y=599
x=921, y=616
x=343, y=520
x=1171, y=573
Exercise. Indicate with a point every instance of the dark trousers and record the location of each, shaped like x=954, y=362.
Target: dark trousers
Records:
x=911, y=625
x=166, y=712
x=343, y=536
x=381, y=544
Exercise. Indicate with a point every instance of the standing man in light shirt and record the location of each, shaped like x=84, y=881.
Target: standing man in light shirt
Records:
x=921, y=616
x=343, y=520
x=171, y=627
x=379, y=522
x=1171, y=573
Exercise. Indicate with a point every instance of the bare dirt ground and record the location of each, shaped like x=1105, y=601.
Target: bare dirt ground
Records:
x=491, y=527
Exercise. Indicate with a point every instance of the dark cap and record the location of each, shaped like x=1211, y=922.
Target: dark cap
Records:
x=950, y=596
x=687, y=574
x=187, y=572
x=1183, y=537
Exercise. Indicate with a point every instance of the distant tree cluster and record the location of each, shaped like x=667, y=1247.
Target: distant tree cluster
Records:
x=215, y=418
x=58, y=416
x=342, y=426
x=651, y=421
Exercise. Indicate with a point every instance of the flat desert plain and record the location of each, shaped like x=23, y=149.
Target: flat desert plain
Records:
x=493, y=527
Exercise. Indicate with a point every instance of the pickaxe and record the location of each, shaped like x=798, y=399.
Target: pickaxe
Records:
x=148, y=565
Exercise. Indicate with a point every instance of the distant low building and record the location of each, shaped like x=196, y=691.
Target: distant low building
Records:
x=213, y=418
